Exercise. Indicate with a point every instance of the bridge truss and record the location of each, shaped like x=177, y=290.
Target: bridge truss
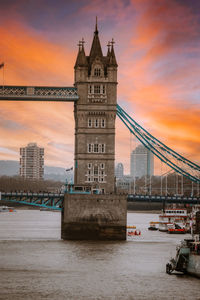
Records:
x=38, y=93
x=170, y=157
x=43, y=200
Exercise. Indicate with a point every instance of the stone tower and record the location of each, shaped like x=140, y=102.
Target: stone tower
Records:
x=96, y=216
x=95, y=113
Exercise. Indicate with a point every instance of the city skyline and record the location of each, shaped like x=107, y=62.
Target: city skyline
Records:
x=157, y=49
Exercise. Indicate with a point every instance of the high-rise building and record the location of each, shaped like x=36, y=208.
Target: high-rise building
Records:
x=142, y=162
x=119, y=171
x=32, y=162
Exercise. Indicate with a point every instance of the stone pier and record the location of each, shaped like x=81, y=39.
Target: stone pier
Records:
x=94, y=217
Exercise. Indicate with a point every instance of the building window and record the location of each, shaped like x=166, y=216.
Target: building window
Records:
x=103, y=89
x=102, y=166
x=103, y=148
x=89, y=166
x=97, y=89
x=89, y=122
x=97, y=72
x=103, y=123
x=96, y=123
x=90, y=148
x=96, y=170
x=96, y=148
x=90, y=89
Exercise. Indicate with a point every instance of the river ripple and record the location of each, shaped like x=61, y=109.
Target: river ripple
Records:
x=36, y=264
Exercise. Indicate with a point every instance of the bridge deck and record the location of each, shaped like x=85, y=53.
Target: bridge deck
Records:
x=55, y=200
x=38, y=93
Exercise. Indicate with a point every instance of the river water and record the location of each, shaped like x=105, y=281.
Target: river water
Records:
x=36, y=264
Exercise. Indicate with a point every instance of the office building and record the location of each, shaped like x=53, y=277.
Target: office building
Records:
x=142, y=162
x=119, y=171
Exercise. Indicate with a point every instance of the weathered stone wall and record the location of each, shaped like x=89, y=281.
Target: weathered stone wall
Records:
x=94, y=217
x=144, y=206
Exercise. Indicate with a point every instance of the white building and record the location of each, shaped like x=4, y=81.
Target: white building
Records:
x=119, y=171
x=32, y=162
x=142, y=162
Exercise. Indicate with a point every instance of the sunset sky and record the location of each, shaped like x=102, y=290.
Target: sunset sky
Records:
x=157, y=46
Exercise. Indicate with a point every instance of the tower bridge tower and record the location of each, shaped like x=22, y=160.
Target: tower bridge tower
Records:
x=98, y=216
x=95, y=113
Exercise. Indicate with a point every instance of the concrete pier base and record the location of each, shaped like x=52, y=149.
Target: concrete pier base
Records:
x=94, y=217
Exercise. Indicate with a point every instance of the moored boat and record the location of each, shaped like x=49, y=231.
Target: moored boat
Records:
x=152, y=226
x=178, y=216
x=6, y=209
x=175, y=228
x=187, y=258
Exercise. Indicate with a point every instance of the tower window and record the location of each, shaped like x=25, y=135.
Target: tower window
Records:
x=89, y=166
x=96, y=123
x=90, y=89
x=96, y=171
x=104, y=89
x=90, y=148
x=89, y=122
x=103, y=123
x=102, y=166
x=96, y=148
x=97, y=72
x=103, y=148
x=97, y=89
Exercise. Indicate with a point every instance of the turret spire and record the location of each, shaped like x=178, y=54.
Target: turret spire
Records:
x=112, y=58
x=96, y=46
x=96, y=27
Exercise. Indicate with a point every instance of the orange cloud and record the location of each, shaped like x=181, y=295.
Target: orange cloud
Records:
x=160, y=76
x=31, y=59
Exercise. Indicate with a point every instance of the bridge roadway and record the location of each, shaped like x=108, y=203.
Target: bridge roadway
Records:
x=54, y=200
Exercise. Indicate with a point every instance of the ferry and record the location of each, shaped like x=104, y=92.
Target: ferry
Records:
x=174, y=218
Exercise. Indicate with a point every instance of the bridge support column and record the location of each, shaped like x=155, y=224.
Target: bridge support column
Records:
x=94, y=217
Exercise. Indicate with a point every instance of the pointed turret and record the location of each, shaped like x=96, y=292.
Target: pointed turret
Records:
x=108, y=53
x=81, y=60
x=96, y=46
x=112, y=58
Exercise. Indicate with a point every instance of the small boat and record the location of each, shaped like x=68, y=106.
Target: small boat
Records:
x=152, y=226
x=131, y=227
x=134, y=232
x=175, y=228
x=6, y=209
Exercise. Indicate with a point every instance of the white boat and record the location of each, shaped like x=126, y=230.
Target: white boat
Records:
x=6, y=209
x=178, y=216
